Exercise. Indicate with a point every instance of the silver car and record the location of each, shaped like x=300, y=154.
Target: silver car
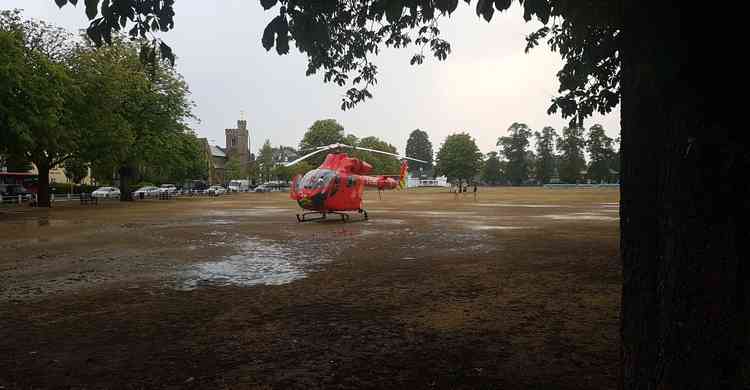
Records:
x=147, y=192
x=106, y=192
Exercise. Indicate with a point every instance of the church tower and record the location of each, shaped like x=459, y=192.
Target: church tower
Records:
x=238, y=143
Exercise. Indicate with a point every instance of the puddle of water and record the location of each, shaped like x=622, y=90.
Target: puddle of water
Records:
x=491, y=227
x=44, y=222
x=440, y=213
x=581, y=216
x=518, y=205
x=259, y=262
x=248, y=212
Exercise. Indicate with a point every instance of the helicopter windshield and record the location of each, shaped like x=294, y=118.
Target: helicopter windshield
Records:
x=317, y=179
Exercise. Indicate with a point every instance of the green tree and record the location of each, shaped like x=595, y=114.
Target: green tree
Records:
x=544, y=168
x=233, y=169
x=491, y=173
x=265, y=161
x=37, y=110
x=76, y=170
x=283, y=154
x=137, y=114
x=16, y=163
x=513, y=148
x=459, y=158
x=601, y=153
x=281, y=172
x=381, y=164
x=615, y=162
x=321, y=133
x=419, y=146
x=572, y=162
x=351, y=139
x=675, y=129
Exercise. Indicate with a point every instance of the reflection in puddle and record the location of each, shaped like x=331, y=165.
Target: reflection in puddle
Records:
x=518, y=205
x=247, y=212
x=491, y=227
x=581, y=216
x=260, y=262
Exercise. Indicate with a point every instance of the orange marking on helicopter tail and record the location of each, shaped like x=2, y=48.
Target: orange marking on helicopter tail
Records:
x=403, y=174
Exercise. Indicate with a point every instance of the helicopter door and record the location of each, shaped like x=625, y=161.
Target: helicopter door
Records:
x=294, y=188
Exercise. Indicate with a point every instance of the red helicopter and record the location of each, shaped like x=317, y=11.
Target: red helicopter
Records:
x=336, y=186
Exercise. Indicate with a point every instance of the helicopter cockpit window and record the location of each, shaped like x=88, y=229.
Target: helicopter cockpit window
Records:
x=318, y=179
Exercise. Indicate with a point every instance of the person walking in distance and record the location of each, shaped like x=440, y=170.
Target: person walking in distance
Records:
x=475, y=192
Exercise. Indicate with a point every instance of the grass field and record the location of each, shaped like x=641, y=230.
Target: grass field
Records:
x=518, y=289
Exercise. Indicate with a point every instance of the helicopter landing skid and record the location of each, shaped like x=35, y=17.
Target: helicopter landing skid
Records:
x=322, y=216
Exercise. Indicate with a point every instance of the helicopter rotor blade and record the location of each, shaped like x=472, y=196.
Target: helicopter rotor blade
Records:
x=340, y=145
x=318, y=150
x=305, y=156
x=389, y=154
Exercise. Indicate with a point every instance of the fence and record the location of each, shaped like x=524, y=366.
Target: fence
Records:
x=564, y=185
x=56, y=198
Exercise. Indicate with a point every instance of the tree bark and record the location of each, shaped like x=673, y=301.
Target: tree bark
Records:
x=684, y=238
x=43, y=188
x=126, y=173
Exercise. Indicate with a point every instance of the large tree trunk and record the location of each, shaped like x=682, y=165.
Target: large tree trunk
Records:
x=684, y=189
x=126, y=174
x=43, y=188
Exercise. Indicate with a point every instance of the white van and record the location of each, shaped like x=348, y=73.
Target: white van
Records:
x=239, y=185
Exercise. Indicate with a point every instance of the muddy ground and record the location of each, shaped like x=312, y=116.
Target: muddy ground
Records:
x=517, y=290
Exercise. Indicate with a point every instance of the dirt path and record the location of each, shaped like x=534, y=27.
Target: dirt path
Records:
x=517, y=290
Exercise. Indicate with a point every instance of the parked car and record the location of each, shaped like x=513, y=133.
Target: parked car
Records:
x=262, y=188
x=106, y=192
x=147, y=192
x=239, y=185
x=14, y=190
x=272, y=186
x=216, y=190
x=168, y=188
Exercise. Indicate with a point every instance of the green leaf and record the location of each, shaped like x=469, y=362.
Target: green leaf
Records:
x=268, y=35
x=166, y=53
x=393, y=11
x=484, y=8
x=502, y=5
x=92, y=8
x=266, y=4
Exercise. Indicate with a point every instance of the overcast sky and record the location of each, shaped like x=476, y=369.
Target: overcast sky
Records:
x=485, y=85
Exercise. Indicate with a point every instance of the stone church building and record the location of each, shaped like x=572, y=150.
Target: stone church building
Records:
x=237, y=146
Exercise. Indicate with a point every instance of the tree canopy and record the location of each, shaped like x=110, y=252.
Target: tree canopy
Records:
x=381, y=164
x=546, y=159
x=419, y=146
x=491, y=170
x=572, y=161
x=341, y=39
x=513, y=148
x=601, y=155
x=105, y=107
x=265, y=161
x=322, y=132
x=38, y=111
x=459, y=158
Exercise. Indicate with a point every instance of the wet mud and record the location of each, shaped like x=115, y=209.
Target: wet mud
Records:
x=519, y=289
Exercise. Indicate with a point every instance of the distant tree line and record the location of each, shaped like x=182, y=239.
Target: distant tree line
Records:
x=556, y=157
